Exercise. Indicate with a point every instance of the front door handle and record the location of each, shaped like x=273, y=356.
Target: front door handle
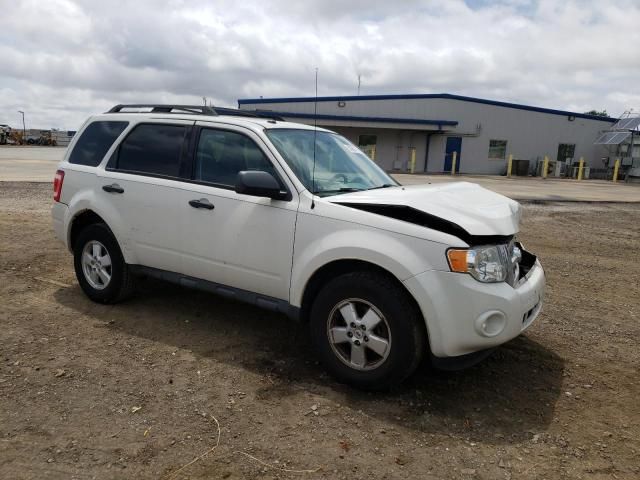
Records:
x=113, y=188
x=202, y=203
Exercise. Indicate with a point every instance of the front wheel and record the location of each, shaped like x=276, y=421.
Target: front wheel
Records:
x=367, y=330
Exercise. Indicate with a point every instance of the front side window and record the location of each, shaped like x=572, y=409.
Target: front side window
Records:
x=498, y=149
x=152, y=148
x=95, y=141
x=340, y=166
x=222, y=154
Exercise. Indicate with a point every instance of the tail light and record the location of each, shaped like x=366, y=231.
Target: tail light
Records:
x=57, y=185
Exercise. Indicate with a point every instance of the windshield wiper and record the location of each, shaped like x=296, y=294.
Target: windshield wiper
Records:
x=339, y=190
x=386, y=185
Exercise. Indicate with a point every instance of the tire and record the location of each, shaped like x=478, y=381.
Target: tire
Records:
x=399, y=322
x=98, y=239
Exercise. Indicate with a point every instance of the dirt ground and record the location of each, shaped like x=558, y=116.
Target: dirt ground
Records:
x=136, y=390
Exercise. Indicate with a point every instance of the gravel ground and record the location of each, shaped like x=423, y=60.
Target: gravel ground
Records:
x=138, y=390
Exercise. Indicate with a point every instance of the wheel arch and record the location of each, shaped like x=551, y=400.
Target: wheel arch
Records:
x=84, y=217
x=79, y=222
x=334, y=269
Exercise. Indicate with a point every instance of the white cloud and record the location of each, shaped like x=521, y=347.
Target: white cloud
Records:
x=63, y=60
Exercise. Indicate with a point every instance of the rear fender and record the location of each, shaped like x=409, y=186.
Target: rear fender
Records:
x=86, y=200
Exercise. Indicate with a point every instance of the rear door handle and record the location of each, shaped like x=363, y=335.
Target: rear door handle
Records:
x=202, y=203
x=113, y=188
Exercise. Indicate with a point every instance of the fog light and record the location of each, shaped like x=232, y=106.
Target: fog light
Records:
x=490, y=323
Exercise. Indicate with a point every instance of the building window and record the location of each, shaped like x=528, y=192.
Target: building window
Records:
x=367, y=143
x=566, y=151
x=498, y=149
x=366, y=140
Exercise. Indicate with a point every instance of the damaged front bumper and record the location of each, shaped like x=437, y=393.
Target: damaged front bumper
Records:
x=464, y=316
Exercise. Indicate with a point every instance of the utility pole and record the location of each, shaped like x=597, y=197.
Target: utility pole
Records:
x=359, y=84
x=24, y=130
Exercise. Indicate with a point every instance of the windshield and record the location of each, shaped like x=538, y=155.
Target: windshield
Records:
x=340, y=166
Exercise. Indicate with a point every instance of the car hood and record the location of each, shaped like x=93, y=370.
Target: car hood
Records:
x=476, y=210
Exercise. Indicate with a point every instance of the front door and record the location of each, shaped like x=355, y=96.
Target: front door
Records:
x=454, y=144
x=239, y=240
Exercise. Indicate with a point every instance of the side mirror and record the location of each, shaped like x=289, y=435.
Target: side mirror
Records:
x=259, y=184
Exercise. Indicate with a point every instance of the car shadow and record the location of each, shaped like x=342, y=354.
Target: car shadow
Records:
x=511, y=395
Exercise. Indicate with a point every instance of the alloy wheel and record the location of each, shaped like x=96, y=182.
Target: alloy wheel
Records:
x=96, y=265
x=359, y=334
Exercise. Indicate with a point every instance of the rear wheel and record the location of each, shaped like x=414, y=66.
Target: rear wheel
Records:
x=100, y=268
x=367, y=330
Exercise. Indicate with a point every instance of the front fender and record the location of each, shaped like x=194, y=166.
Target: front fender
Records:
x=400, y=255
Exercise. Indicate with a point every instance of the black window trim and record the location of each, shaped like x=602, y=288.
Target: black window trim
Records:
x=195, y=140
x=187, y=157
x=183, y=171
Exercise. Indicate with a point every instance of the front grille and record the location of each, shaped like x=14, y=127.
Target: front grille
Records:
x=528, y=317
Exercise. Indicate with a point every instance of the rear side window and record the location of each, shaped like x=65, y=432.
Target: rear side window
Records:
x=222, y=154
x=94, y=142
x=153, y=148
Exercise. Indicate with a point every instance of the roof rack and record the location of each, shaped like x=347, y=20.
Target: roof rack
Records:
x=155, y=108
x=248, y=113
x=193, y=109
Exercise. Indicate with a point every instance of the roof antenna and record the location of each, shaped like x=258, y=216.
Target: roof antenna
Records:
x=315, y=131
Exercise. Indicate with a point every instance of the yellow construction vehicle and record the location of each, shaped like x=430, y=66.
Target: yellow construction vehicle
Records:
x=15, y=137
x=5, y=130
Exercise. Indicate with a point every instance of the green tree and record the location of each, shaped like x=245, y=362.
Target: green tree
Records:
x=597, y=113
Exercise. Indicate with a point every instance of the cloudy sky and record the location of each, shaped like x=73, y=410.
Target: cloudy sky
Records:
x=62, y=60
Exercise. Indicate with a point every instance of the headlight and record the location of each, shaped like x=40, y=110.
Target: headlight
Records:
x=485, y=264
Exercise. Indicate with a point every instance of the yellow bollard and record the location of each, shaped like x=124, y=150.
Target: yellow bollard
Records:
x=412, y=161
x=453, y=163
x=616, y=167
x=580, y=168
x=545, y=167
x=509, y=165
x=373, y=153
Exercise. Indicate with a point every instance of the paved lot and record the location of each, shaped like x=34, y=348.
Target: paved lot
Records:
x=137, y=390
x=532, y=188
x=29, y=164
x=38, y=164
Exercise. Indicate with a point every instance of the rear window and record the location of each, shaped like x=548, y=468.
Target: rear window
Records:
x=95, y=141
x=152, y=148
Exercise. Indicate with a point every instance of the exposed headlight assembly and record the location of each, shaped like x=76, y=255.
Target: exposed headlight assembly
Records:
x=488, y=264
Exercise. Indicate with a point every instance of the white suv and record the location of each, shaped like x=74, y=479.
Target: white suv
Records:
x=297, y=220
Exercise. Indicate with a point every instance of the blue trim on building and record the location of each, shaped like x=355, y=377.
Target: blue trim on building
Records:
x=416, y=96
x=351, y=118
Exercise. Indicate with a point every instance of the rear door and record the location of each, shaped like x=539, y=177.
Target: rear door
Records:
x=241, y=241
x=143, y=181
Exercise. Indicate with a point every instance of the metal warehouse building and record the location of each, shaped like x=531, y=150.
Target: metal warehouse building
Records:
x=421, y=132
